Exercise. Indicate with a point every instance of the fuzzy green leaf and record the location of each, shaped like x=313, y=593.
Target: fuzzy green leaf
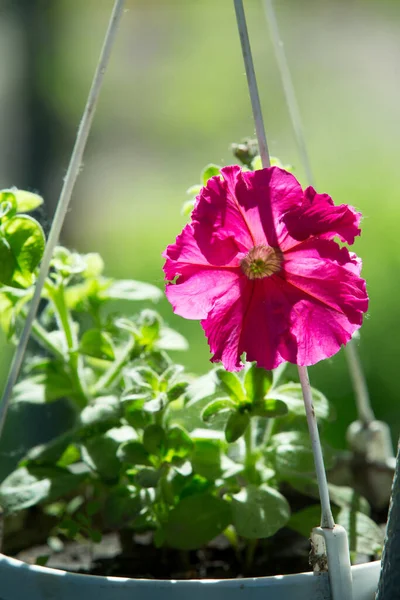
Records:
x=21, y=251
x=269, y=408
x=27, y=486
x=128, y=289
x=259, y=512
x=26, y=201
x=209, y=171
x=134, y=453
x=292, y=395
x=218, y=406
x=154, y=440
x=97, y=343
x=196, y=520
x=257, y=382
x=236, y=425
x=292, y=454
x=231, y=385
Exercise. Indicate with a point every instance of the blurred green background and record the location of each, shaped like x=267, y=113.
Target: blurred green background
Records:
x=174, y=99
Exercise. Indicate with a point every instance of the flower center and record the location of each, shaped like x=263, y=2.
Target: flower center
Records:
x=261, y=261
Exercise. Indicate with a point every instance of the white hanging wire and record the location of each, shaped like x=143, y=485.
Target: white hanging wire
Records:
x=63, y=202
x=326, y=512
x=364, y=410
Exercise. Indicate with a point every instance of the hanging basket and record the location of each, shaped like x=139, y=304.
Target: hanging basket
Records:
x=19, y=580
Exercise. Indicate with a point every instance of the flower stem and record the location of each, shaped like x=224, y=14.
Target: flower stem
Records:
x=42, y=337
x=252, y=83
x=57, y=296
x=63, y=203
x=114, y=371
x=326, y=512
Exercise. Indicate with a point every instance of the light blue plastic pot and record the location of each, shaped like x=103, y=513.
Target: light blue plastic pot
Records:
x=19, y=581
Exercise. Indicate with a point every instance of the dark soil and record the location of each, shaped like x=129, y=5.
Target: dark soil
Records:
x=288, y=554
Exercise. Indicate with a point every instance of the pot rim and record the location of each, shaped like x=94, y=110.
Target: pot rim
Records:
x=358, y=572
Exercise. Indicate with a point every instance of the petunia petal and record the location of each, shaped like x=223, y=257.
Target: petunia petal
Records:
x=224, y=323
x=328, y=274
x=318, y=216
x=328, y=297
x=195, y=293
x=219, y=222
x=198, y=282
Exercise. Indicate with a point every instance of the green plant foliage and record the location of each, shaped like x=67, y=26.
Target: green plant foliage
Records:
x=196, y=520
x=259, y=511
x=31, y=485
x=150, y=448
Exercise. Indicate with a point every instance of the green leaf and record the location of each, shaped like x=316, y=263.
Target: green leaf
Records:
x=209, y=171
x=26, y=201
x=134, y=453
x=269, y=408
x=8, y=204
x=342, y=496
x=206, y=458
x=304, y=520
x=154, y=440
x=218, y=406
x=27, y=486
x=176, y=391
x=235, y=426
x=292, y=395
x=172, y=374
x=128, y=289
x=231, y=385
x=94, y=265
x=97, y=343
x=67, y=263
x=365, y=536
x=52, y=450
x=259, y=512
x=25, y=239
x=70, y=456
x=99, y=417
x=194, y=190
x=196, y=520
x=188, y=206
x=147, y=477
x=149, y=323
x=8, y=264
x=292, y=454
x=12, y=302
x=122, y=505
x=179, y=443
x=257, y=382
x=171, y=340
x=100, y=452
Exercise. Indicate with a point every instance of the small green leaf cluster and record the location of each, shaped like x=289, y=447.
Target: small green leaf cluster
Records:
x=153, y=448
x=21, y=238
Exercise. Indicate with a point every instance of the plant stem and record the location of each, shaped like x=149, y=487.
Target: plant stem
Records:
x=248, y=442
x=66, y=324
x=42, y=337
x=115, y=369
x=63, y=203
x=327, y=520
x=252, y=83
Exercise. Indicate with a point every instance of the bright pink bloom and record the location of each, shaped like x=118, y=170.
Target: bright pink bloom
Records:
x=259, y=267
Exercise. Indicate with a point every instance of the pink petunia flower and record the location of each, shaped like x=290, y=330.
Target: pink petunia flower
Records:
x=259, y=267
